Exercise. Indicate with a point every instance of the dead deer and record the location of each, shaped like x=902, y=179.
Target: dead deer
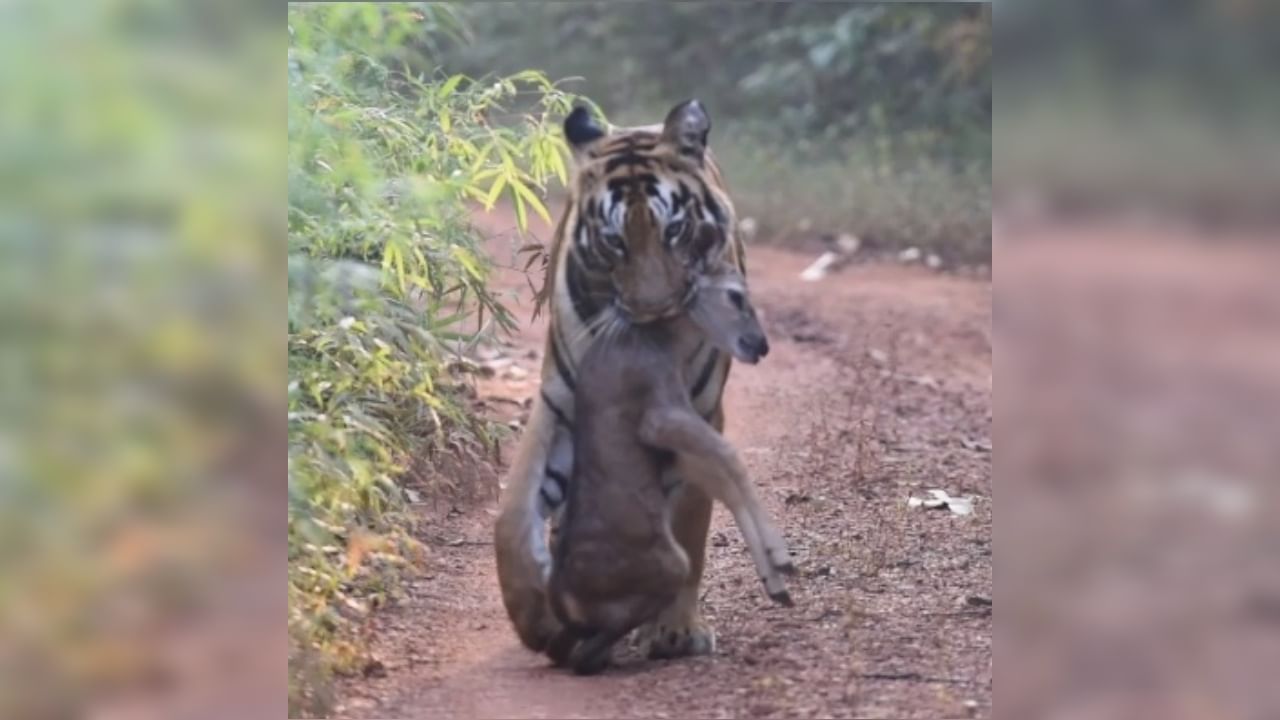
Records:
x=615, y=563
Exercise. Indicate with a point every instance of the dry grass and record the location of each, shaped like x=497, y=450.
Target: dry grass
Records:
x=889, y=204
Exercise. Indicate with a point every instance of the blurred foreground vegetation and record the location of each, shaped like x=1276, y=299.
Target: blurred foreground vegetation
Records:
x=873, y=119
x=140, y=308
x=142, y=252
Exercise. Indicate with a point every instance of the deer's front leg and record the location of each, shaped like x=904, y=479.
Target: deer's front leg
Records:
x=709, y=461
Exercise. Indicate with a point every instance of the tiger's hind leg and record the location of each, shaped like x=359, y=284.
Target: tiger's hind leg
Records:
x=555, y=484
x=520, y=542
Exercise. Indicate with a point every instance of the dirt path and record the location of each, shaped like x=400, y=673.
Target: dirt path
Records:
x=878, y=387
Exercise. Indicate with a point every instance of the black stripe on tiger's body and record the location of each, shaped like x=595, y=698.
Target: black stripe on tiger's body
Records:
x=562, y=367
x=560, y=416
x=581, y=291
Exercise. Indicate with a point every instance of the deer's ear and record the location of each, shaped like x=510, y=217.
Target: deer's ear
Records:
x=687, y=127
x=581, y=129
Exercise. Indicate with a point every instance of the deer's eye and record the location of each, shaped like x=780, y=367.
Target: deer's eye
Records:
x=738, y=299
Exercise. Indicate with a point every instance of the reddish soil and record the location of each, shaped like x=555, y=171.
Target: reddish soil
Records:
x=878, y=387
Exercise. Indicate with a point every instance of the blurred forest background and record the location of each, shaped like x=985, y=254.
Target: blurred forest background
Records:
x=1166, y=107
x=871, y=119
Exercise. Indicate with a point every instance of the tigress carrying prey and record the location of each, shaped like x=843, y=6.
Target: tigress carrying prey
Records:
x=637, y=198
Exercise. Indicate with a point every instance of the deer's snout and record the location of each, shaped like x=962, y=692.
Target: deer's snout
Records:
x=752, y=347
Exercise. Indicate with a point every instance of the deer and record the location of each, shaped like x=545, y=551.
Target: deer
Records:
x=615, y=562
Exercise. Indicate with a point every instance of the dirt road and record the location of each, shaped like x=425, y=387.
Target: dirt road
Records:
x=878, y=387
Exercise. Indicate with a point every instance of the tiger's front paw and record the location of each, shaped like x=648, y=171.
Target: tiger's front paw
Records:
x=666, y=639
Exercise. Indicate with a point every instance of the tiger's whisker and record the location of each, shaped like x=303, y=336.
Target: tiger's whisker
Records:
x=592, y=328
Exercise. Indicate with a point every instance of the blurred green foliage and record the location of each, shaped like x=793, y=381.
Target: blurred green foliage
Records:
x=798, y=72
x=875, y=117
x=387, y=291
x=138, y=212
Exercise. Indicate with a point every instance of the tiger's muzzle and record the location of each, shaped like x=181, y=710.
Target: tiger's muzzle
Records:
x=640, y=315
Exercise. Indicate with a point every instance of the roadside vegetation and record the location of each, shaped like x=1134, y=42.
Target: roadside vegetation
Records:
x=387, y=292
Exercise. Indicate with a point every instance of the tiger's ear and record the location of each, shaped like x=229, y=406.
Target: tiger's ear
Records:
x=687, y=127
x=580, y=129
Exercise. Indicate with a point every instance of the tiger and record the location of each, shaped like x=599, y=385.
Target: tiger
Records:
x=636, y=198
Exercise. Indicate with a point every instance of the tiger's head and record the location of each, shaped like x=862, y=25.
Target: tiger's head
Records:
x=651, y=210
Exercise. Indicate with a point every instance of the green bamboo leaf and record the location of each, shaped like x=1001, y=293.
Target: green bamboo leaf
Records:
x=419, y=258
x=522, y=190
x=522, y=220
x=494, y=191
x=393, y=256
x=468, y=261
x=449, y=86
x=481, y=156
x=387, y=257
x=474, y=192
x=530, y=76
x=444, y=322
x=485, y=174
x=506, y=150
x=557, y=156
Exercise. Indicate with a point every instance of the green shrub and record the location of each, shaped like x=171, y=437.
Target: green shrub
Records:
x=387, y=286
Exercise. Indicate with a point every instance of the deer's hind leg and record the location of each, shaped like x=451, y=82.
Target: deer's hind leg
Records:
x=562, y=645
x=709, y=461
